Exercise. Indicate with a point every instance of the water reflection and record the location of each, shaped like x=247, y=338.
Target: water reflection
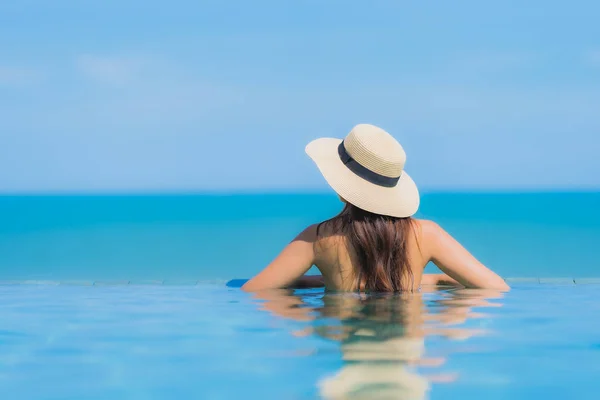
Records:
x=382, y=337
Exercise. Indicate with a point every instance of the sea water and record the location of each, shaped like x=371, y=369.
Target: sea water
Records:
x=219, y=237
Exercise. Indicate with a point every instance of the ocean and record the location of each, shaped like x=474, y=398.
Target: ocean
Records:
x=215, y=237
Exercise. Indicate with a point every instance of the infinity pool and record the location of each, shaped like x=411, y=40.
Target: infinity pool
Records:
x=207, y=341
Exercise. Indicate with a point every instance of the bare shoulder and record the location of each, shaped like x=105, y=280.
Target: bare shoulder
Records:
x=428, y=230
x=455, y=260
x=309, y=234
x=324, y=233
x=290, y=264
x=429, y=235
x=328, y=243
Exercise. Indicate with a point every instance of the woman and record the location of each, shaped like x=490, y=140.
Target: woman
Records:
x=373, y=244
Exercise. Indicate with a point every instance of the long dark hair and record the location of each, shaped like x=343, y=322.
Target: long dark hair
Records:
x=378, y=245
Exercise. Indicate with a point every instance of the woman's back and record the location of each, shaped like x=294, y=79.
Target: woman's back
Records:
x=342, y=267
x=358, y=250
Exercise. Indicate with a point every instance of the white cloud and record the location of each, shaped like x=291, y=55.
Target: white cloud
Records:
x=111, y=70
x=17, y=75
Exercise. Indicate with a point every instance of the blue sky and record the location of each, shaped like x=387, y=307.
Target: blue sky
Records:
x=223, y=95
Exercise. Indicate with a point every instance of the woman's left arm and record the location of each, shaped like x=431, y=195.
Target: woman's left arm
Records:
x=438, y=279
x=307, y=282
x=289, y=266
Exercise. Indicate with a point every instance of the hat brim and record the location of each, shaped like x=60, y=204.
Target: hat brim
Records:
x=399, y=201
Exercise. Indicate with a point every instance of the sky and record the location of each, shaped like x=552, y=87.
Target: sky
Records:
x=220, y=95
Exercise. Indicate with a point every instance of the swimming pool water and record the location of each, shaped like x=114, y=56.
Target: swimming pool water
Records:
x=208, y=341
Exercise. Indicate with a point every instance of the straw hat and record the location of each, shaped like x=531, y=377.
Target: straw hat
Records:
x=367, y=170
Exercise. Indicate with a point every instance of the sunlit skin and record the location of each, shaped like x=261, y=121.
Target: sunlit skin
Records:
x=431, y=243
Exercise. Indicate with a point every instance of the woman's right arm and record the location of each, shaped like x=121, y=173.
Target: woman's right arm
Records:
x=455, y=261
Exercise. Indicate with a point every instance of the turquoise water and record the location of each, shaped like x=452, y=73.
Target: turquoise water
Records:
x=131, y=303
x=218, y=237
x=211, y=342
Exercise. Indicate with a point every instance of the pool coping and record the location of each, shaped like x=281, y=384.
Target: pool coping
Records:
x=193, y=282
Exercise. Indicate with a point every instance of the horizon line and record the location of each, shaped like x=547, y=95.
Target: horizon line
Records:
x=289, y=191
